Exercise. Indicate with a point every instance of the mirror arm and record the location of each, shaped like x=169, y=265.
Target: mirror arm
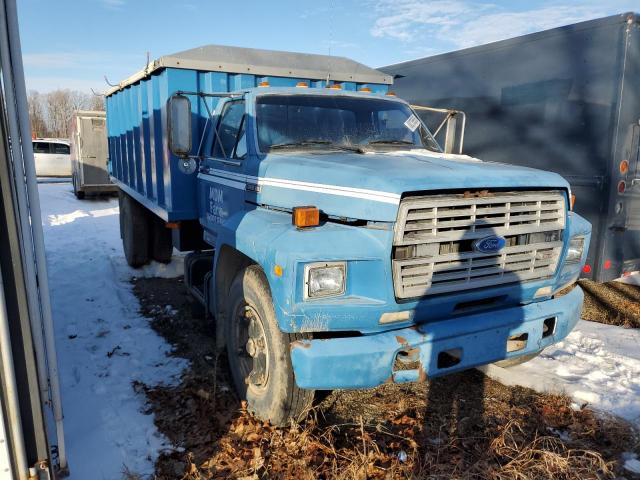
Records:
x=235, y=145
x=451, y=113
x=206, y=124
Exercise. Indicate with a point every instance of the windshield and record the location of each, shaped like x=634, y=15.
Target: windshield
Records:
x=340, y=121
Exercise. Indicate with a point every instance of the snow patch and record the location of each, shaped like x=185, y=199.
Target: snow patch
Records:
x=596, y=364
x=103, y=343
x=632, y=465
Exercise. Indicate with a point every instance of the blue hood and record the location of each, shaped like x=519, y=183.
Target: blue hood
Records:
x=369, y=186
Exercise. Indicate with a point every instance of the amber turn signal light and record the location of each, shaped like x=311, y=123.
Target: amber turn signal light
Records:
x=573, y=200
x=304, y=217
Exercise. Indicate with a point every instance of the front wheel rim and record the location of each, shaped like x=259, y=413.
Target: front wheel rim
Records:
x=251, y=348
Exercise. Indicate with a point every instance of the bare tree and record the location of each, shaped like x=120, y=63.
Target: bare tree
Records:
x=35, y=102
x=60, y=106
x=96, y=102
x=51, y=112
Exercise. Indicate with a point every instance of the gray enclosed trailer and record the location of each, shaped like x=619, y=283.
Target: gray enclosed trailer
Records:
x=89, y=154
x=566, y=100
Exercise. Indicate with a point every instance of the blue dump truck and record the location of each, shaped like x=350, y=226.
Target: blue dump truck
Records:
x=333, y=240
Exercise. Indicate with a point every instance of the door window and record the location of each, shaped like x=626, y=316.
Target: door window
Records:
x=230, y=142
x=41, y=147
x=60, y=149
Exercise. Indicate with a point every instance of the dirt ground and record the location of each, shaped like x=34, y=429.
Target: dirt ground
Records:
x=613, y=303
x=460, y=426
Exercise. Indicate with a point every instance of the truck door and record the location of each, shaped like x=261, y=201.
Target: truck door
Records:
x=43, y=156
x=222, y=183
x=61, y=159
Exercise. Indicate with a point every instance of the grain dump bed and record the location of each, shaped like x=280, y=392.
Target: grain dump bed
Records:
x=141, y=163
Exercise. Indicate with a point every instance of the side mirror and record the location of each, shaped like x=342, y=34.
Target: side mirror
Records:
x=179, y=125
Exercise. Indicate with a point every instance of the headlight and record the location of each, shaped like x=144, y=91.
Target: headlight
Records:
x=574, y=252
x=326, y=279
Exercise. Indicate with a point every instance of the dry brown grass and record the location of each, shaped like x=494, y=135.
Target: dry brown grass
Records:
x=464, y=426
x=613, y=303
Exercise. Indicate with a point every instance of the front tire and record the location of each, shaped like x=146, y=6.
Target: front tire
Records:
x=258, y=352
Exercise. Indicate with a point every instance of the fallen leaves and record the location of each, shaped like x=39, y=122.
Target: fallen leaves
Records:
x=462, y=426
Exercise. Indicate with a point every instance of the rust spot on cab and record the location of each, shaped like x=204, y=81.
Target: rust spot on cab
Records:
x=422, y=375
x=401, y=340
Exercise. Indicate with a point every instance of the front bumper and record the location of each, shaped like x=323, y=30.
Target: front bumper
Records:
x=472, y=340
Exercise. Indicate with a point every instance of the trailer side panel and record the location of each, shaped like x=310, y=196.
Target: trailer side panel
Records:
x=548, y=100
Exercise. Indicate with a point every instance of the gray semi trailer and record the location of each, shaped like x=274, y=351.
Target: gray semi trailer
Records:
x=566, y=100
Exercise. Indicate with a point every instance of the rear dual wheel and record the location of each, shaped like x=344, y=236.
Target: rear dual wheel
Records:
x=144, y=235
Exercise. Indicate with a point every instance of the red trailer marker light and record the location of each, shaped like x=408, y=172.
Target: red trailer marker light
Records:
x=607, y=264
x=622, y=186
x=586, y=269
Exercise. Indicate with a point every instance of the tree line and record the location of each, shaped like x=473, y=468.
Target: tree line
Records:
x=51, y=112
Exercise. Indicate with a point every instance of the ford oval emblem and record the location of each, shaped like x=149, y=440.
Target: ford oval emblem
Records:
x=492, y=244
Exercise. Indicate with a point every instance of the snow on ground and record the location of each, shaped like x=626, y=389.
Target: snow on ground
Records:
x=632, y=279
x=597, y=364
x=103, y=344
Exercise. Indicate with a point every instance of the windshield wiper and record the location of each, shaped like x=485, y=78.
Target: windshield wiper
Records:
x=302, y=143
x=391, y=142
x=306, y=143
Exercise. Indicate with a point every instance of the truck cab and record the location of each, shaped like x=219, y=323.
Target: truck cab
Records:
x=345, y=249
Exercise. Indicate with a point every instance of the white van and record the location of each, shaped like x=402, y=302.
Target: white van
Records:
x=52, y=157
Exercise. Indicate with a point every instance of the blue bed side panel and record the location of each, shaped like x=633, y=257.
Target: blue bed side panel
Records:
x=140, y=160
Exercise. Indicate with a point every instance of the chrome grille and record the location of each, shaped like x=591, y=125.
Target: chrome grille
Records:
x=434, y=236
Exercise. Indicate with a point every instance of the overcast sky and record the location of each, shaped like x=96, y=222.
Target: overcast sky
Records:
x=75, y=43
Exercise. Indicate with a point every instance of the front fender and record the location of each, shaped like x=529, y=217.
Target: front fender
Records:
x=269, y=239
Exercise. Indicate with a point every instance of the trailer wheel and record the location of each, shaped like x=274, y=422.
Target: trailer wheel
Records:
x=78, y=193
x=161, y=244
x=134, y=230
x=258, y=352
